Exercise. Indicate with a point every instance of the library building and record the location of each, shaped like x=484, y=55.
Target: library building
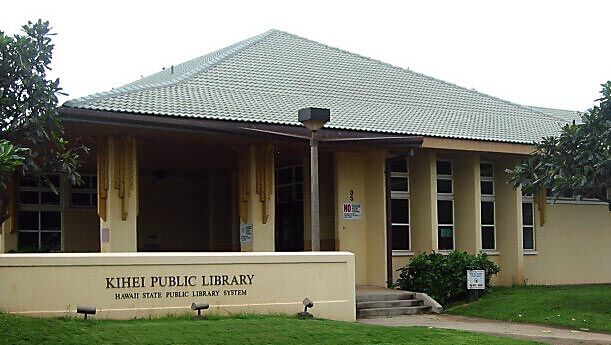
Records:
x=280, y=168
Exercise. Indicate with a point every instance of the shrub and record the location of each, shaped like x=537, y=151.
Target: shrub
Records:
x=444, y=277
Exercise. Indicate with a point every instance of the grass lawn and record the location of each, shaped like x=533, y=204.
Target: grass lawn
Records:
x=582, y=306
x=234, y=330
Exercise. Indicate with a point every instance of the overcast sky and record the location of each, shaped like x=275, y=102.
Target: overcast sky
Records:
x=546, y=53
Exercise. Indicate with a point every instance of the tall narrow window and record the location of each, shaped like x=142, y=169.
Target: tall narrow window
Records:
x=445, y=205
x=488, y=230
x=399, y=185
x=40, y=217
x=528, y=223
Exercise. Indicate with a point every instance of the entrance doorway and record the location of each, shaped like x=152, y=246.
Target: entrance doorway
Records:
x=289, y=208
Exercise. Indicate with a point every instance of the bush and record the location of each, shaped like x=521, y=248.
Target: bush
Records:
x=444, y=277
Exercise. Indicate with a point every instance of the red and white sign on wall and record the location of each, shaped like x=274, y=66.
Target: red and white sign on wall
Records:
x=352, y=210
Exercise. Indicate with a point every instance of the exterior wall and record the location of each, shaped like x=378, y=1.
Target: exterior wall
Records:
x=96, y=280
x=423, y=203
x=263, y=238
x=467, y=203
x=573, y=247
x=360, y=176
x=122, y=231
x=508, y=210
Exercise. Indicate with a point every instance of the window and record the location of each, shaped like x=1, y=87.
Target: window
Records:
x=40, y=217
x=445, y=205
x=528, y=223
x=488, y=228
x=289, y=184
x=85, y=195
x=399, y=186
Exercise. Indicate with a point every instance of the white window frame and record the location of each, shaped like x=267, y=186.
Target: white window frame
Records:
x=39, y=208
x=529, y=199
x=405, y=195
x=488, y=198
x=446, y=197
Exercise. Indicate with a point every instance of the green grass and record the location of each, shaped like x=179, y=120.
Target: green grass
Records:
x=235, y=330
x=577, y=306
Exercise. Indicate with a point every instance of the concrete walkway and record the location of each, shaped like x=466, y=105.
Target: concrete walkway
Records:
x=527, y=331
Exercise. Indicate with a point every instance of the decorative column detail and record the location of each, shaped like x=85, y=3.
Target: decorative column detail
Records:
x=123, y=172
x=102, y=177
x=244, y=182
x=11, y=200
x=264, y=178
x=541, y=201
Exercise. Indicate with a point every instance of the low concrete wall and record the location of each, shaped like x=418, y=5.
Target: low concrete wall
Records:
x=127, y=285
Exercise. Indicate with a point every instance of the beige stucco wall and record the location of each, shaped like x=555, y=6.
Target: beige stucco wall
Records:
x=363, y=175
x=573, y=247
x=270, y=283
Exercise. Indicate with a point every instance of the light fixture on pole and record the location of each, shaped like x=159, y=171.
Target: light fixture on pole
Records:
x=314, y=119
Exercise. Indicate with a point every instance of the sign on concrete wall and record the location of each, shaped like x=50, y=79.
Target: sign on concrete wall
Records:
x=476, y=279
x=352, y=210
x=128, y=285
x=245, y=233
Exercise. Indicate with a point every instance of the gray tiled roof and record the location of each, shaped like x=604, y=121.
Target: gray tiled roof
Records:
x=565, y=115
x=267, y=78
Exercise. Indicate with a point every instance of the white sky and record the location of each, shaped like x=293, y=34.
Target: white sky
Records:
x=545, y=53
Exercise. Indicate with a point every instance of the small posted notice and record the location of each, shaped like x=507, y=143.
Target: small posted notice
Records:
x=352, y=210
x=245, y=233
x=476, y=279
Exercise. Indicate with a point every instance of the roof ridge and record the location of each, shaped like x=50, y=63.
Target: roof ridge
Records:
x=225, y=53
x=418, y=73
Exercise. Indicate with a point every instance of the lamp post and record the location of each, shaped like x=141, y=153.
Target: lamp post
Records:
x=314, y=119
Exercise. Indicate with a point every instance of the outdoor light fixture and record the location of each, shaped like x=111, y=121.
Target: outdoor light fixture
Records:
x=307, y=303
x=85, y=310
x=314, y=119
x=199, y=307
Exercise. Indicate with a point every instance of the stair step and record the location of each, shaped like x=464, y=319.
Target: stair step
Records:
x=388, y=312
x=391, y=295
x=389, y=304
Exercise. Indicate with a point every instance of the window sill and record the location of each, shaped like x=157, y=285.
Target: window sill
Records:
x=575, y=202
x=490, y=252
x=402, y=253
x=530, y=252
x=445, y=251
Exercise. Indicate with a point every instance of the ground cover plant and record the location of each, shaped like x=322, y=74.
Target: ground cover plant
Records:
x=234, y=330
x=577, y=306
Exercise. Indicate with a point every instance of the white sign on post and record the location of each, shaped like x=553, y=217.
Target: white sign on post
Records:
x=476, y=279
x=245, y=233
x=352, y=210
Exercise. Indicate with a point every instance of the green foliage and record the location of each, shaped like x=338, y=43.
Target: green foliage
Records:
x=576, y=162
x=11, y=158
x=444, y=277
x=30, y=130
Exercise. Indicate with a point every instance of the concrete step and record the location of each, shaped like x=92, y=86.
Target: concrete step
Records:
x=388, y=304
x=388, y=312
x=388, y=295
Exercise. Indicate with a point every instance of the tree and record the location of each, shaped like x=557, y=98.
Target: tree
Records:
x=31, y=136
x=577, y=162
